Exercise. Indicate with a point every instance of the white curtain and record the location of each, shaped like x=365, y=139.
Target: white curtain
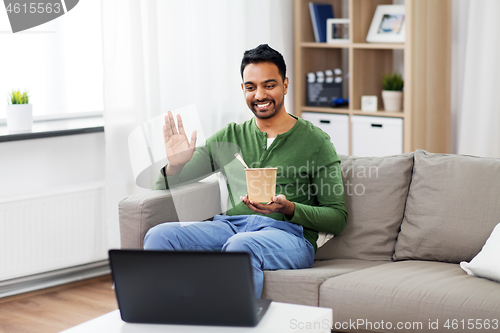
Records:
x=476, y=77
x=165, y=54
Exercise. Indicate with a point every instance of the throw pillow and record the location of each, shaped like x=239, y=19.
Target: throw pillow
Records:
x=323, y=238
x=452, y=207
x=375, y=190
x=487, y=262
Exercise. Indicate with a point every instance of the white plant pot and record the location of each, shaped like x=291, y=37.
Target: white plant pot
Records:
x=19, y=118
x=393, y=100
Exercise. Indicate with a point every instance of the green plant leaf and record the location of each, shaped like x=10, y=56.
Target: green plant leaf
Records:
x=393, y=81
x=17, y=98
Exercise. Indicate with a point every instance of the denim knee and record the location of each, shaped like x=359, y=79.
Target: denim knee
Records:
x=241, y=242
x=160, y=238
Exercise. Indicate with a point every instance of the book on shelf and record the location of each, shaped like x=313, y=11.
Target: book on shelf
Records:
x=320, y=12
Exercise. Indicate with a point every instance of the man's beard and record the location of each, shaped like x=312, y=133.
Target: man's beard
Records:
x=267, y=116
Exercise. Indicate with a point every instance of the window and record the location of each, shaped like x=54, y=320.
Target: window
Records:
x=59, y=62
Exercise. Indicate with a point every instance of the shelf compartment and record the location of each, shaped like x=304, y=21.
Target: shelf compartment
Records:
x=371, y=65
x=362, y=15
x=321, y=59
x=305, y=30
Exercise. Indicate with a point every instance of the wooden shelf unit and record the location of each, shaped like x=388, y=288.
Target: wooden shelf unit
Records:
x=426, y=58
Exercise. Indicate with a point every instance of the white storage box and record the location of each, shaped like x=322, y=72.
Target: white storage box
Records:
x=335, y=125
x=376, y=136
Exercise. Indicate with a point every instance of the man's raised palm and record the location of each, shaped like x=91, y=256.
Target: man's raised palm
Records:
x=179, y=150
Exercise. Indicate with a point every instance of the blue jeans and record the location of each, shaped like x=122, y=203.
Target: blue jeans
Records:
x=272, y=244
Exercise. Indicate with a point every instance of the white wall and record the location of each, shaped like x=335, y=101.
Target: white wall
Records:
x=40, y=165
x=51, y=204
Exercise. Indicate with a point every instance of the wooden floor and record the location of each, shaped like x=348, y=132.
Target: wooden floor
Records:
x=56, y=309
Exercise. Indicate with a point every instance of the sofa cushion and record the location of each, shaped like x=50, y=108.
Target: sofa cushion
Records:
x=411, y=292
x=301, y=286
x=375, y=193
x=452, y=207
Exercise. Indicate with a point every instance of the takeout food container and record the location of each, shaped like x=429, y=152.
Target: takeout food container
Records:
x=261, y=184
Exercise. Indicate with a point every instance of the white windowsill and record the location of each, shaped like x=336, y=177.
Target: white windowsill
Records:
x=57, y=125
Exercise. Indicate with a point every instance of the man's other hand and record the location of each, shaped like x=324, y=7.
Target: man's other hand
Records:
x=179, y=150
x=279, y=204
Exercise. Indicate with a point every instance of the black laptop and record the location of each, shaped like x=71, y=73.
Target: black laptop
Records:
x=187, y=288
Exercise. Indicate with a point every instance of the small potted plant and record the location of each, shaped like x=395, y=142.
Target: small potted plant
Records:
x=392, y=95
x=19, y=112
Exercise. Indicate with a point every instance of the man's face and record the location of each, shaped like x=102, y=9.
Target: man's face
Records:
x=264, y=89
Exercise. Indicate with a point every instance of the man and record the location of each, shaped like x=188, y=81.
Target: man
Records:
x=281, y=234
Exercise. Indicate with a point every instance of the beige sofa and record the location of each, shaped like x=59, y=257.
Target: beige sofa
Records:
x=412, y=219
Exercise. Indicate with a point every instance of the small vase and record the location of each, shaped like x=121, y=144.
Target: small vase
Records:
x=19, y=118
x=393, y=100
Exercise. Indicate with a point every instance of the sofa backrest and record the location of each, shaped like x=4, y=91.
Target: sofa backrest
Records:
x=453, y=205
x=375, y=190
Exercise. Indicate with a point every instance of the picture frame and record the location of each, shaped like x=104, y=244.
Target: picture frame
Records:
x=388, y=25
x=337, y=30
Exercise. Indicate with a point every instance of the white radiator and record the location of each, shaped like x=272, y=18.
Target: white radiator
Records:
x=50, y=231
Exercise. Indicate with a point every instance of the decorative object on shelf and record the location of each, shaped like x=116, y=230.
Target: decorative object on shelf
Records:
x=392, y=95
x=388, y=25
x=324, y=88
x=336, y=103
x=369, y=103
x=320, y=13
x=337, y=31
x=19, y=112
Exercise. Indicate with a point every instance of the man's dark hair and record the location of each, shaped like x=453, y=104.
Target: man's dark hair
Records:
x=264, y=53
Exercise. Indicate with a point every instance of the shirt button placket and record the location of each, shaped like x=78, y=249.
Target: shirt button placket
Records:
x=264, y=137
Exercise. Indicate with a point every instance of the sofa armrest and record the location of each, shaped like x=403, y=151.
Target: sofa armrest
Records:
x=140, y=212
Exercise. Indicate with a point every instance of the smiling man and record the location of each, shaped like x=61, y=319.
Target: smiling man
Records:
x=281, y=234
x=265, y=98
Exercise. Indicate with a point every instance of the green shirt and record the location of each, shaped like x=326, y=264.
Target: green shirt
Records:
x=308, y=172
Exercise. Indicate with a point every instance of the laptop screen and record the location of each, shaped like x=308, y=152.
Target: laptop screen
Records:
x=179, y=287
